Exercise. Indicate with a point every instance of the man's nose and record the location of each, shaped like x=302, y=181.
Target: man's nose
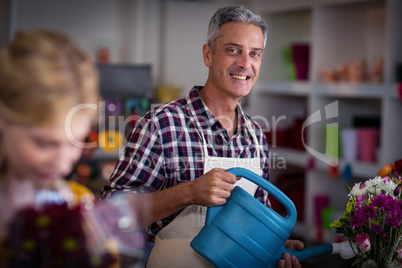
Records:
x=244, y=61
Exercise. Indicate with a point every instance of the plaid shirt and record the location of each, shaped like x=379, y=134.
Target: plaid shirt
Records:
x=165, y=148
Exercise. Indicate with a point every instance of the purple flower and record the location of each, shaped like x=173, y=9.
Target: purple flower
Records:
x=395, y=173
x=377, y=229
x=382, y=200
x=388, y=204
x=399, y=205
x=369, y=212
x=393, y=221
x=393, y=208
x=359, y=219
x=356, y=222
x=397, y=190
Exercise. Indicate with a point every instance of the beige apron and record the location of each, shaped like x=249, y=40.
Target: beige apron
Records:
x=172, y=244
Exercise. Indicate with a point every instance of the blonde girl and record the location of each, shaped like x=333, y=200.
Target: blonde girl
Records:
x=44, y=76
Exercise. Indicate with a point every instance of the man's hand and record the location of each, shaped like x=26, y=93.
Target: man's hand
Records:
x=291, y=261
x=213, y=188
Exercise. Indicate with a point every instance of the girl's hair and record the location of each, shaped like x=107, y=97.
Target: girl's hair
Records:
x=43, y=75
x=233, y=14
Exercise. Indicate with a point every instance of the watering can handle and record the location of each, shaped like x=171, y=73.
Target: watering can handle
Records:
x=275, y=192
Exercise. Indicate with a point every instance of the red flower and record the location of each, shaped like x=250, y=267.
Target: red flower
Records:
x=398, y=165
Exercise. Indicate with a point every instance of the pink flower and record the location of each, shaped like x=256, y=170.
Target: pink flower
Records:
x=359, y=201
x=363, y=242
x=399, y=252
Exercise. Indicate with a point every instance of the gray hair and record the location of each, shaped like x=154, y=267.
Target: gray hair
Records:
x=233, y=14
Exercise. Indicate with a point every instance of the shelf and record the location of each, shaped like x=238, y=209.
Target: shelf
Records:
x=101, y=155
x=338, y=32
x=360, y=35
x=284, y=29
x=360, y=170
x=361, y=90
x=291, y=156
x=364, y=170
x=342, y=90
x=285, y=88
x=300, y=158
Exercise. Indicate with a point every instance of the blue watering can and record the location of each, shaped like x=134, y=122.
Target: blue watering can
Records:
x=246, y=233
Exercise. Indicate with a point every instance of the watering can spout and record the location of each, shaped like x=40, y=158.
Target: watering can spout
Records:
x=304, y=254
x=345, y=249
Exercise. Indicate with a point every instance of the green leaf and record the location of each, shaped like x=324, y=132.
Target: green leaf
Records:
x=347, y=188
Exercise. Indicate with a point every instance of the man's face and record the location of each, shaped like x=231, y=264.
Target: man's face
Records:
x=235, y=66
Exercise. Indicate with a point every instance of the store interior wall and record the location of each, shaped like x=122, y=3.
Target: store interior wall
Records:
x=167, y=34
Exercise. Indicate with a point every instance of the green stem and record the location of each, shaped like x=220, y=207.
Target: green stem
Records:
x=373, y=242
x=378, y=250
x=350, y=243
x=398, y=239
x=387, y=252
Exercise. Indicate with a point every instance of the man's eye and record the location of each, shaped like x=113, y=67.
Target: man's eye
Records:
x=233, y=50
x=256, y=54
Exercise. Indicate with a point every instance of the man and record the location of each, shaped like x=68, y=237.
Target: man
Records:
x=176, y=157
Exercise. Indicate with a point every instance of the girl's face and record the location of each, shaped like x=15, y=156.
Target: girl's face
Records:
x=43, y=153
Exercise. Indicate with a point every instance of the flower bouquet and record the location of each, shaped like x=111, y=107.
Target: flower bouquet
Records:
x=52, y=236
x=372, y=222
x=60, y=235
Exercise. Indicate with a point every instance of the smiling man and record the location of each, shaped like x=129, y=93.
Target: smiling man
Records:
x=175, y=160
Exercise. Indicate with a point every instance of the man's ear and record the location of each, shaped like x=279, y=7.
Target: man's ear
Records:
x=207, y=54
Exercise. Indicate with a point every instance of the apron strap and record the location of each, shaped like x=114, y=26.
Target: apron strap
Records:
x=204, y=143
x=199, y=129
x=248, y=124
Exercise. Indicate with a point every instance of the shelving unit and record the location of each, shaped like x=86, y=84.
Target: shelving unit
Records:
x=126, y=91
x=337, y=31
